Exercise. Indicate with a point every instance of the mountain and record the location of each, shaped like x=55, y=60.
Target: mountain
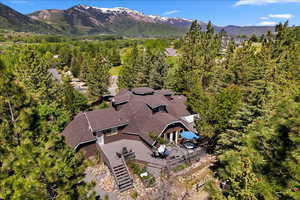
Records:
x=82, y=19
x=13, y=20
x=247, y=30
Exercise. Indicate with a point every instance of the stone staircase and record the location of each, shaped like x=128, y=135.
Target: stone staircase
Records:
x=122, y=176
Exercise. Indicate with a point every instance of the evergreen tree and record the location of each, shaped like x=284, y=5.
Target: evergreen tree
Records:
x=253, y=38
x=98, y=77
x=209, y=28
x=76, y=63
x=35, y=162
x=200, y=51
x=73, y=100
x=129, y=72
x=158, y=71
x=115, y=58
x=32, y=70
x=262, y=131
x=189, y=60
x=84, y=72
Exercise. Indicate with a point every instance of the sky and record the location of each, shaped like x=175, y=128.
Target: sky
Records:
x=220, y=12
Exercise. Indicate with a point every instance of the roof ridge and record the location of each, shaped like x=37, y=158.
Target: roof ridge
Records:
x=88, y=121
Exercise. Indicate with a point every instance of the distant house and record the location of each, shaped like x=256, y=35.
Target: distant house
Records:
x=170, y=52
x=133, y=115
x=55, y=74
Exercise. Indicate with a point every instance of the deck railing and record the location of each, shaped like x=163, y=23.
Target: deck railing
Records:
x=186, y=158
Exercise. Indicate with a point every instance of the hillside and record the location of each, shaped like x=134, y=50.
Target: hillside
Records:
x=247, y=30
x=82, y=19
x=88, y=20
x=13, y=20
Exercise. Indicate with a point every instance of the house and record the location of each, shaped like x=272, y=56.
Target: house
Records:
x=128, y=122
x=170, y=52
x=133, y=115
x=55, y=74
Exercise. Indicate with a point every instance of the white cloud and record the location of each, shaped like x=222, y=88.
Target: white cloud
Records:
x=267, y=23
x=171, y=12
x=281, y=16
x=263, y=2
x=264, y=18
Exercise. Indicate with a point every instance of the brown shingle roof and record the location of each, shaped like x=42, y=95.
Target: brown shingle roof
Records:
x=155, y=100
x=122, y=97
x=104, y=119
x=77, y=131
x=165, y=92
x=142, y=91
x=137, y=113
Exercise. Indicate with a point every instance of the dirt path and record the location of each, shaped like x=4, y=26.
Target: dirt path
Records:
x=113, y=85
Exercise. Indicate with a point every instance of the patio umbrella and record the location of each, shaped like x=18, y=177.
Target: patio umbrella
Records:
x=189, y=135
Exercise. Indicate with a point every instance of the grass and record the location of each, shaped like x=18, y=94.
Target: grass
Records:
x=180, y=167
x=134, y=195
x=114, y=71
x=137, y=169
x=102, y=106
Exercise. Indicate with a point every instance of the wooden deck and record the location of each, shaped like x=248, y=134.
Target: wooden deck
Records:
x=142, y=152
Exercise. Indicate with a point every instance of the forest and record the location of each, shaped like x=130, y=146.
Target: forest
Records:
x=247, y=96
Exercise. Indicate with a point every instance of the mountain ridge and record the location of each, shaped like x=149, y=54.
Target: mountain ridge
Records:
x=13, y=20
x=84, y=19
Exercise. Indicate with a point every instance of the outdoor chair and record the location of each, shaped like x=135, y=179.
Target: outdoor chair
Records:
x=119, y=155
x=124, y=150
x=155, y=154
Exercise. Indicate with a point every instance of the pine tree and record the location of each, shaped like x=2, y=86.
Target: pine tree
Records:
x=35, y=161
x=263, y=130
x=129, y=72
x=98, y=78
x=76, y=63
x=209, y=28
x=158, y=71
x=189, y=60
x=32, y=70
x=115, y=58
x=200, y=51
x=73, y=101
x=84, y=72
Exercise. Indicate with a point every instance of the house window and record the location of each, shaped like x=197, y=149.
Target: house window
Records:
x=174, y=136
x=110, y=132
x=169, y=136
x=161, y=108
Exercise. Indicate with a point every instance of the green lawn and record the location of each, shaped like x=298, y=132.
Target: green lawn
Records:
x=114, y=71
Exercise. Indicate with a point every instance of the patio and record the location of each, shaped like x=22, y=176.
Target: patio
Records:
x=142, y=152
